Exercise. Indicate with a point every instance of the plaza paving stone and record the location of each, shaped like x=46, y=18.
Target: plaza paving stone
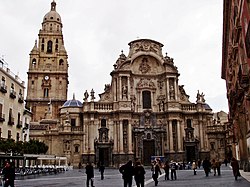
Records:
x=185, y=178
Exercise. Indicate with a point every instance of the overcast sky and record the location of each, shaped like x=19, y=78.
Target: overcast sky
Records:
x=95, y=32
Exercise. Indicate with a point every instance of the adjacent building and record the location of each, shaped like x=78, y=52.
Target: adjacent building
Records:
x=142, y=112
x=235, y=71
x=11, y=104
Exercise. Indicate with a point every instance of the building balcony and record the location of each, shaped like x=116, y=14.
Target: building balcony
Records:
x=2, y=117
x=20, y=98
x=3, y=88
x=11, y=121
x=12, y=94
x=19, y=124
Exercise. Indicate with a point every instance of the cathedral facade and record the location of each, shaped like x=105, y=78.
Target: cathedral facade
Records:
x=143, y=112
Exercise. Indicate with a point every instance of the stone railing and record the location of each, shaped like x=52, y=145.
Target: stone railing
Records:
x=103, y=106
x=188, y=107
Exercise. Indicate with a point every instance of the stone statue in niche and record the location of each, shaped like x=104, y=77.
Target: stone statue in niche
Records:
x=124, y=92
x=104, y=137
x=171, y=92
x=161, y=106
x=133, y=102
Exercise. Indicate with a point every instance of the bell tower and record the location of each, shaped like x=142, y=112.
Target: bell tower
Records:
x=48, y=69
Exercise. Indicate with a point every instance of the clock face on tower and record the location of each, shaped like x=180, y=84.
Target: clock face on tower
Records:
x=46, y=77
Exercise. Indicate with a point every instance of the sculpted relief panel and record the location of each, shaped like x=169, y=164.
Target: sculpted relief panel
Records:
x=147, y=65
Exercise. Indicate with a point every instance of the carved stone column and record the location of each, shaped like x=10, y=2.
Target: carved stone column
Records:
x=175, y=89
x=115, y=136
x=170, y=134
x=91, y=135
x=120, y=88
x=201, y=135
x=178, y=135
x=129, y=138
x=167, y=89
x=121, y=137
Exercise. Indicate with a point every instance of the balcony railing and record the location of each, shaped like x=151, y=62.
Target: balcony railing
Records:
x=20, y=98
x=76, y=129
x=3, y=88
x=11, y=121
x=188, y=107
x=19, y=124
x=2, y=117
x=12, y=94
x=103, y=106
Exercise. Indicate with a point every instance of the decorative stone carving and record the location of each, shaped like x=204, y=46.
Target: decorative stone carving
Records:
x=144, y=67
x=145, y=83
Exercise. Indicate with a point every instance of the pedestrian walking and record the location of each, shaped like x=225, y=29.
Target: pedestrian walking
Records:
x=155, y=172
x=225, y=162
x=127, y=171
x=236, y=169
x=173, y=168
x=206, y=166
x=90, y=174
x=194, y=167
x=101, y=169
x=8, y=175
x=213, y=165
x=166, y=169
x=139, y=174
x=218, y=164
x=199, y=163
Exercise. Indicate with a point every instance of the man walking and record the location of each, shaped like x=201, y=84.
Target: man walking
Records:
x=127, y=171
x=8, y=175
x=90, y=174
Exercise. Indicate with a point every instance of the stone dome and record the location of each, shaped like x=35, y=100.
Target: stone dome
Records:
x=72, y=103
x=52, y=15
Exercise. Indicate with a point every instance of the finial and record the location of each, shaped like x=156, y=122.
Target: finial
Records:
x=74, y=96
x=122, y=51
x=53, y=6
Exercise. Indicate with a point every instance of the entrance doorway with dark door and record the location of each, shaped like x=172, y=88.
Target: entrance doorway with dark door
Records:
x=104, y=156
x=190, y=153
x=148, y=151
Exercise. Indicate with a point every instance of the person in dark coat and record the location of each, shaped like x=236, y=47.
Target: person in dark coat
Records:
x=166, y=169
x=139, y=174
x=90, y=174
x=206, y=166
x=127, y=171
x=173, y=168
x=8, y=175
x=236, y=168
x=101, y=169
x=155, y=172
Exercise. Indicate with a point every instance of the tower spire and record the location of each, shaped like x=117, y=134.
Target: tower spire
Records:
x=53, y=6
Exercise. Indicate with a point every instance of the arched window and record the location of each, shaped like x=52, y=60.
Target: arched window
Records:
x=77, y=149
x=46, y=92
x=56, y=48
x=42, y=47
x=103, y=123
x=61, y=62
x=34, y=61
x=49, y=47
x=146, y=99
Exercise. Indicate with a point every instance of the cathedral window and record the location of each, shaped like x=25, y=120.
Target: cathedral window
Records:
x=103, y=123
x=42, y=47
x=73, y=122
x=189, y=123
x=42, y=40
x=34, y=61
x=57, y=41
x=56, y=47
x=146, y=99
x=61, y=62
x=49, y=47
x=46, y=92
x=77, y=149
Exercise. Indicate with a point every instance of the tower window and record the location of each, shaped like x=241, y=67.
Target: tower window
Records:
x=61, y=62
x=56, y=48
x=73, y=122
x=49, y=47
x=34, y=61
x=57, y=41
x=42, y=47
x=9, y=134
x=46, y=92
x=146, y=99
x=42, y=40
x=103, y=123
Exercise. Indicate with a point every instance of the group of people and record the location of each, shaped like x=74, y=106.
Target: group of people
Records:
x=128, y=171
